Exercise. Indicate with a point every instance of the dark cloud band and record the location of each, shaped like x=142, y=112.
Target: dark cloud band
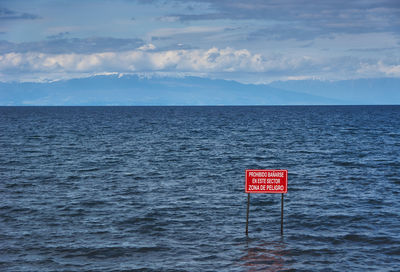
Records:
x=7, y=14
x=57, y=45
x=309, y=17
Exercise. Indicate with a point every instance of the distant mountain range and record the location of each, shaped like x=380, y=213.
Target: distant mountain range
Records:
x=134, y=90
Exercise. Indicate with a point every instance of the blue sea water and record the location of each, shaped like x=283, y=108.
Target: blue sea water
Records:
x=162, y=188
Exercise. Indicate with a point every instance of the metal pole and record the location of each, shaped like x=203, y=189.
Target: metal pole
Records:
x=247, y=216
x=282, y=215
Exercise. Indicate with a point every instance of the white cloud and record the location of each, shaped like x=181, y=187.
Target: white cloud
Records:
x=141, y=60
x=380, y=68
x=147, y=47
x=226, y=63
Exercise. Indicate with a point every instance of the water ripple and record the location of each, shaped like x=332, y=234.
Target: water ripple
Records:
x=162, y=188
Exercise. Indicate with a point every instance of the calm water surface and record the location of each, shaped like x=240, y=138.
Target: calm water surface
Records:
x=162, y=188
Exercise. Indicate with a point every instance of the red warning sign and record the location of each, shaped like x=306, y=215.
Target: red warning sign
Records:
x=266, y=181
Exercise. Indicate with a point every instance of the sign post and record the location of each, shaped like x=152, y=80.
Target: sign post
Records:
x=247, y=216
x=282, y=215
x=265, y=181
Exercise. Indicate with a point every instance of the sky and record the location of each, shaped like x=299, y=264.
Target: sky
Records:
x=252, y=41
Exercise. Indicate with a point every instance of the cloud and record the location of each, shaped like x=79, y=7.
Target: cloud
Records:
x=7, y=14
x=226, y=63
x=147, y=47
x=281, y=32
x=188, y=37
x=190, y=30
x=58, y=36
x=306, y=18
x=193, y=17
x=212, y=61
x=59, y=45
x=379, y=68
x=168, y=19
